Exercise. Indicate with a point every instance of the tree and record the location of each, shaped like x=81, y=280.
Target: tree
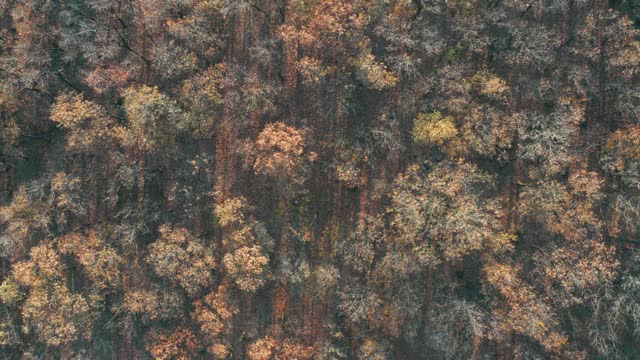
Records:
x=214, y=314
x=280, y=152
x=269, y=348
x=182, y=259
x=519, y=309
x=443, y=215
x=326, y=179
x=101, y=262
x=179, y=344
x=90, y=129
x=247, y=266
x=434, y=129
x=459, y=329
x=154, y=119
x=245, y=244
x=26, y=222
x=57, y=316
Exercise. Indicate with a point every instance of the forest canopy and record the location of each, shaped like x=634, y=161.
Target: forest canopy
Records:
x=319, y=179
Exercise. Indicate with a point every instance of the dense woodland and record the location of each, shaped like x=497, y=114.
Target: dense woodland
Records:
x=319, y=179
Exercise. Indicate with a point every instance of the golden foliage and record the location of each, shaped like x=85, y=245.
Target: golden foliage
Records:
x=447, y=204
x=66, y=192
x=232, y=212
x=7, y=334
x=280, y=152
x=434, y=129
x=86, y=121
x=245, y=260
x=372, y=350
x=154, y=118
x=628, y=59
x=140, y=301
x=521, y=310
x=586, y=185
x=323, y=23
x=269, y=348
x=23, y=220
x=179, y=344
x=566, y=210
x=486, y=131
x=578, y=270
x=58, y=316
x=72, y=110
x=203, y=94
x=151, y=303
x=247, y=266
x=624, y=144
x=214, y=314
x=43, y=267
x=8, y=98
x=182, y=258
x=205, y=90
x=10, y=293
x=489, y=84
x=312, y=70
x=9, y=138
x=374, y=73
x=101, y=262
x=262, y=349
x=461, y=143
